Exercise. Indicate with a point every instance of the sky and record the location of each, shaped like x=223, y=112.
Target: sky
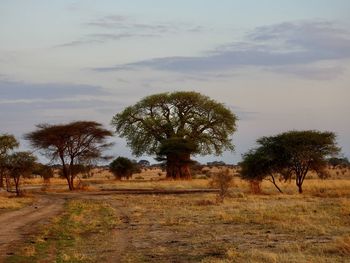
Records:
x=279, y=65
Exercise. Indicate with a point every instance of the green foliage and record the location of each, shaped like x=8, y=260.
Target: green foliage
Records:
x=291, y=154
x=7, y=144
x=339, y=162
x=177, y=147
x=123, y=167
x=150, y=123
x=260, y=164
x=20, y=164
x=43, y=170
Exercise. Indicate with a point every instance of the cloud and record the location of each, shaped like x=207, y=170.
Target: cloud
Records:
x=10, y=90
x=311, y=72
x=117, y=27
x=275, y=47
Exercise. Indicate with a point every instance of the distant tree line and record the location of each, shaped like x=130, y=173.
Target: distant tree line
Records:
x=172, y=127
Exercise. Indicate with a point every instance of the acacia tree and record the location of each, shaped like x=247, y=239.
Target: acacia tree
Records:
x=258, y=165
x=7, y=143
x=20, y=164
x=72, y=144
x=176, y=125
x=295, y=153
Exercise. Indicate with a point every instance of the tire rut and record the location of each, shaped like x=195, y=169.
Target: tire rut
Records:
x=17, y=225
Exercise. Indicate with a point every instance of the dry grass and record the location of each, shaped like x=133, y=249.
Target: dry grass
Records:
x=9, y=202
x=268, y=227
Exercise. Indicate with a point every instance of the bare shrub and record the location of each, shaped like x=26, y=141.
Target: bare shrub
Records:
x=222, y=180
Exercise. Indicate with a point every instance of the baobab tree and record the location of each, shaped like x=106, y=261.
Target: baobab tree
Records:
x=174, y=126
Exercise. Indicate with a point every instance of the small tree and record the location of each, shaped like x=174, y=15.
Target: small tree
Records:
x=258, y=165
x=7, y=144
x=123, y=167
x=20, y=164
x=295, y=153
x=43, y=170
x=72, y=144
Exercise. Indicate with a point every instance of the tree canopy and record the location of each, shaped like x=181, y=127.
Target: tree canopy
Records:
x=259, y=164
x=8, y=142
x=291, y=154
x=72, y=144
x=20, y=164
x=123, y=167
x=172, y=123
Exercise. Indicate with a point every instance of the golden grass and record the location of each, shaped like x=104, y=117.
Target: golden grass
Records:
x=9, y=202
x=269, y=227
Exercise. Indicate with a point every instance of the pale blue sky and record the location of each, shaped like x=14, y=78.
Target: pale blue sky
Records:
x=278, y=64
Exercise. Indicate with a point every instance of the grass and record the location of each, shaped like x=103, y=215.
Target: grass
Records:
x=11, y=203
x=252, y=228
x=270, y=227
x=75, y=236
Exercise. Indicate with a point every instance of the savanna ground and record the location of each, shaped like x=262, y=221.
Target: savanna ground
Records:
x=95, y=225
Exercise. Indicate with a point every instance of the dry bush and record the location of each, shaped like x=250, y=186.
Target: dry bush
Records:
x=222, y=180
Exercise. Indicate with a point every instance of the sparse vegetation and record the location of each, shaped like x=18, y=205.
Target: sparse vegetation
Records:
x=191, y=228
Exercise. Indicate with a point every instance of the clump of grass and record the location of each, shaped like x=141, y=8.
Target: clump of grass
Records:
x=14, y=203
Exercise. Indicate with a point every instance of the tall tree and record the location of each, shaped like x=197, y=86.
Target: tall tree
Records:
x=7, y=143
x=175, y=126
x=72, y=144
x=295, y=153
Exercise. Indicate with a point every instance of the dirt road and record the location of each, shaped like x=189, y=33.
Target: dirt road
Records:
x=16, y=225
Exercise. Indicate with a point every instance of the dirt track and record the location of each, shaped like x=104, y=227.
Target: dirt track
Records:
x=16, y=225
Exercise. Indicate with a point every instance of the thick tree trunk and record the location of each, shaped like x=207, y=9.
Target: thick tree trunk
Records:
x=178, y=166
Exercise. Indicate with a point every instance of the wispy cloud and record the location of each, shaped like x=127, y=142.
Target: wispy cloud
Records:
x=275, y=47
x=116, y=27
x=10, y=90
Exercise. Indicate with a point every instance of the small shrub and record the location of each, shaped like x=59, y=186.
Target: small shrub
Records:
x=222, y=180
